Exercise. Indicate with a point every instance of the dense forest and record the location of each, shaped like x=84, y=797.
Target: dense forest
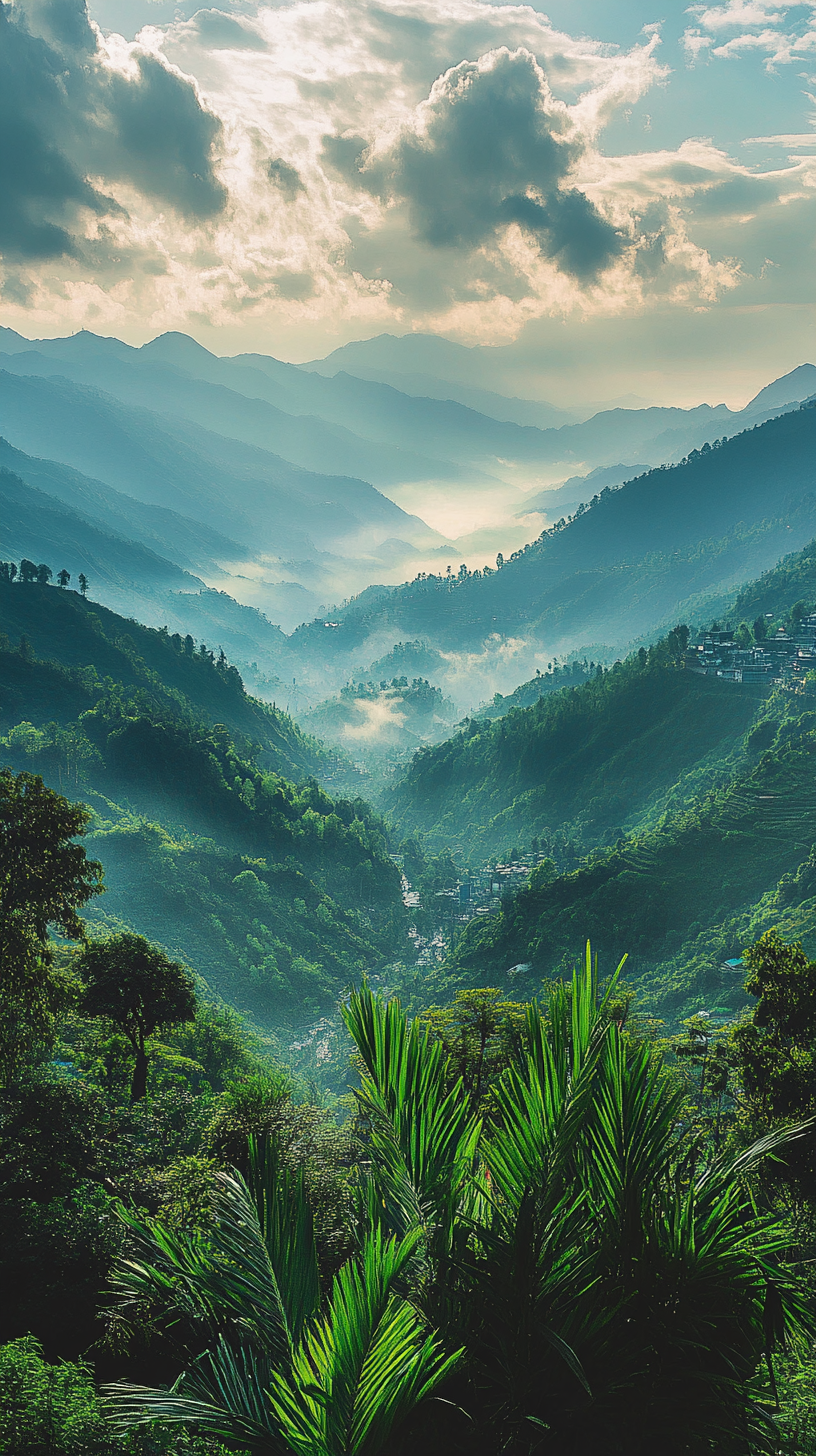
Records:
x=578, y=763
x=528, y=1216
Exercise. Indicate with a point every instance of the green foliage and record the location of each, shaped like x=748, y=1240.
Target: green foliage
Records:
x=273, y=1377
x=773, y=1053
x=137, y=987
x=678, y=894
x=777, y=591
x=48, y=1408
x=481, y=1033
x=54, y=1410
x=578, y=764
x=255, y=846
x=605, y=1294
x=72, y=636
x=45, y=879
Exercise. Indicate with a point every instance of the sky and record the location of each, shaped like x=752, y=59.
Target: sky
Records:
x=606, y=197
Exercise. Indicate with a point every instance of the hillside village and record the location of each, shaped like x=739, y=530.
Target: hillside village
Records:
x=784, y=658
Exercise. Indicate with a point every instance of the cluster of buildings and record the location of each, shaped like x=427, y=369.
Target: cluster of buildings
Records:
x=786, y=657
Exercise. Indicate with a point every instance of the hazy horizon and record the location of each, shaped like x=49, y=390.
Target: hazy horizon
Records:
x=607, y=201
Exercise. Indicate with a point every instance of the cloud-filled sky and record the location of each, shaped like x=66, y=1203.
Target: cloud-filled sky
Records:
x=621, y=196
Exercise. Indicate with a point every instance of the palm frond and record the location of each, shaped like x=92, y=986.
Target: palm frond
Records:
x=365, y=1365
x=224, y=1395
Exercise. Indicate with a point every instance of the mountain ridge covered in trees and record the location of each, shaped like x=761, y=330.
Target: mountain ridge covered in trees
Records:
x=279, y=891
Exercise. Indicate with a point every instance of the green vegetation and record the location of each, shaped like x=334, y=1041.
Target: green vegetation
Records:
x=275, y=891
x=577, y=766
x=45, y=879
x=663, y=890
x=62, y=628
x=530, y=1217
x=139, y=989
x=477, y=1272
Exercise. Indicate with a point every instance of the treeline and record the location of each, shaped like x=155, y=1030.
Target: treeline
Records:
x=42, y=574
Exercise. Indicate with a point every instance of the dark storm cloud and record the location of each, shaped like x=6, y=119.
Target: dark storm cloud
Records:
x=161, y=139
x=491, y=148
x=65, y=117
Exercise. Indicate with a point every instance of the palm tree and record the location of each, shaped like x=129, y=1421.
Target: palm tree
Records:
x=277, y=1374
x=610, y=1289
x=610, y=1296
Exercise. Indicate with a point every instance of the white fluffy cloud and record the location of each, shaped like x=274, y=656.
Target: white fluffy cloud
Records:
x=427, y=165
x=781, y=34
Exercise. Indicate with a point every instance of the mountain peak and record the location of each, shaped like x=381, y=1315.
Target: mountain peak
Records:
x=176, y=348
x=800, y=383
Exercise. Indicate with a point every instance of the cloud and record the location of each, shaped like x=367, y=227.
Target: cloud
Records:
x=782, y=33
x=489, y=148
x=334, y=165
x=73, y=125
x=377, y=718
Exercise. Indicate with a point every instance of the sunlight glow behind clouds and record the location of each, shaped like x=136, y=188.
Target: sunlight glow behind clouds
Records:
x=413, y=165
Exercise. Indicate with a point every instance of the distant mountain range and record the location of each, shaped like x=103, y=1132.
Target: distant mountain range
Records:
x=184, y=484
x=636, y=557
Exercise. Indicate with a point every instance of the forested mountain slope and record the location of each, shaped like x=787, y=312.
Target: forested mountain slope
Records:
x=623, y=564
x=280, y=895
x=680, y=898
x=715, y=786
x=582, y=762
x=63, y=627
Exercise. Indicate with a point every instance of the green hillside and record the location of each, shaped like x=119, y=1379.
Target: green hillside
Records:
x=63, y=627
x=778, y=590
x=579, y=764
x=624, y=563
x=683, y=897
x=279, y=894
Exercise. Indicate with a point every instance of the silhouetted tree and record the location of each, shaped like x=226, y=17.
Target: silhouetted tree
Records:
x=83, y=583
x=44, y=574
x=28, y=571
x=63, y=577
x=8, y=570
x=140, y=989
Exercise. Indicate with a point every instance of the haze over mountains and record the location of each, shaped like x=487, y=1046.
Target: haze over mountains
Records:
x=222, y=495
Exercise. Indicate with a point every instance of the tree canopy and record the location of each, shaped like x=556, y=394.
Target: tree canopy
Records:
x=45, y=879
x=139, y=988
